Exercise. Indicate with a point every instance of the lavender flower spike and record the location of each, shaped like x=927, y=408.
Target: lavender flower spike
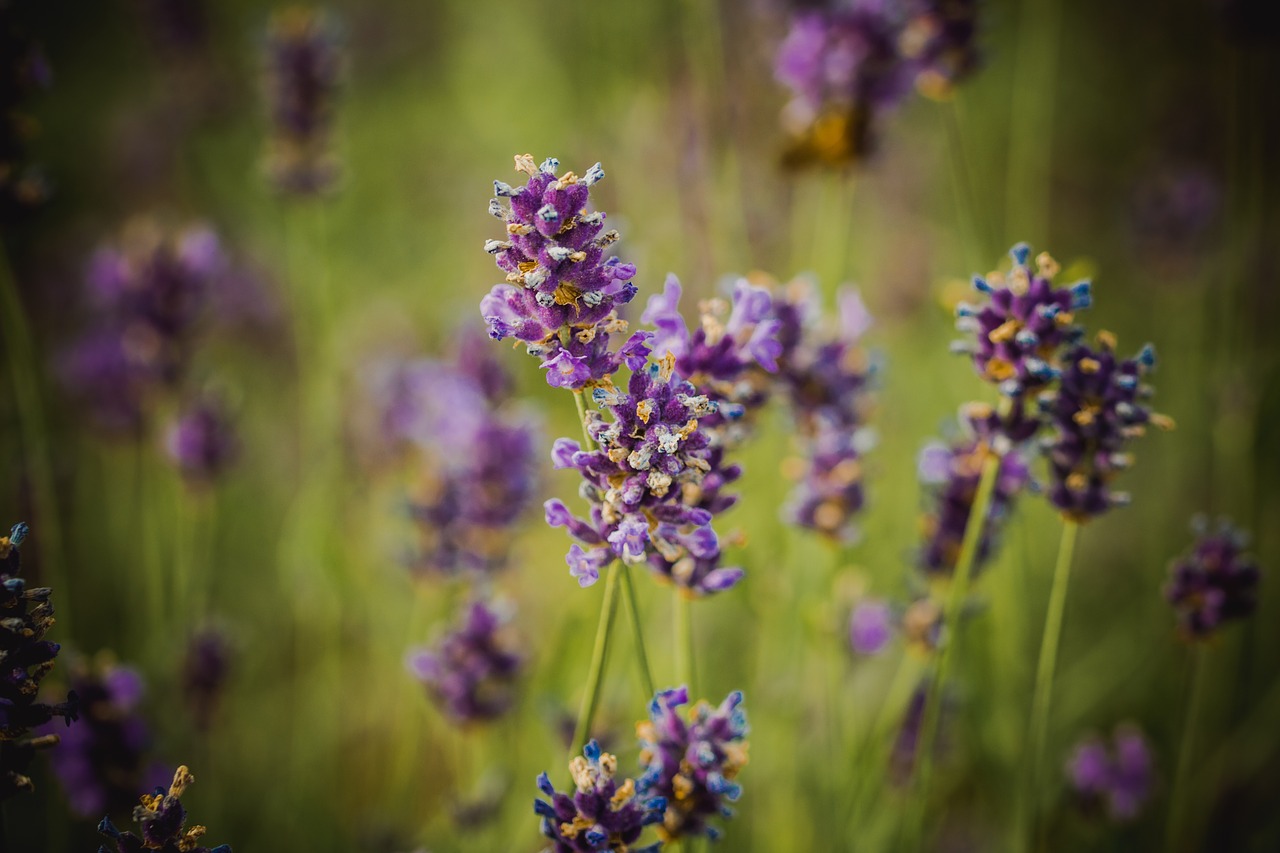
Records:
x=561, y=291
x=162, y=821
x=202, y=442
x=1213, y=584
x=1118, y=776
x=601, y=815
x=693, y=764
x=471, y=673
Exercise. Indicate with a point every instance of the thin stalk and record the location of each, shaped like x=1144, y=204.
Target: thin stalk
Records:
x=682, y=624
x=1043, y=692
x=599, y=657
x=637, y=632
x=956, y=596
x=1175, y=833
x=20, y=352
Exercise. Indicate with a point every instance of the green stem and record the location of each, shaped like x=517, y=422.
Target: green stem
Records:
x=682, y=624
x=1175, y=834
x=637, y=632
x=1043, y=692
x=956, y=597
x=962, y=185
x=599, y=656
x=20, y=351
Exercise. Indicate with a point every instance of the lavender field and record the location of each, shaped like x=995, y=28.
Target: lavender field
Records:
x=743, y=425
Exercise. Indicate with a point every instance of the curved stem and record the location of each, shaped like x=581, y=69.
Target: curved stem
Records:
x=637, y=632
x=1043, y=693
x=599, y=656
x=682, y=625
x=956, y=596
x=1175, y=833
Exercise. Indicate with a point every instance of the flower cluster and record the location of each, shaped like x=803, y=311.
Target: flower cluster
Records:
x=472, y=671
x=561, y=291
x=302, y=75
x=653, y=453
x=826, y=373
x=1119, y=775
x=951, y=472
x=162, y=822
x=1095, y=410
x=202, y=442
x=692, y=764
x=847, y=64
x=25, y=616
x=101, y=762
x=601, y=814
x=1215, y=583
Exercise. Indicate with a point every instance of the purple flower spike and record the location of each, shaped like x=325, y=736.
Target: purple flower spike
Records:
x=1097, y=409
x=471, y=672
x=601, y=814
x=561, y=290
x=202, y=442
x=1215, y=583
x=871, y=627
x=692, y=763
x=162, y=822
x=1118, y=776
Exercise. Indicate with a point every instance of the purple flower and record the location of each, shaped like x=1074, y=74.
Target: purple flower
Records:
x=1096, y=409
x=205, y=668
x=586, y=565
x=871, y=627
x=161, y=821
x=1214, y=583
x=102, y=761
x=561, y=290
x=692, y=764
x=471, y=672
x=202, y=442
x=1118, y=775
x=831, y=493
x=25, y=616
x=302, y=75
x=601, y=815
x=939, y=41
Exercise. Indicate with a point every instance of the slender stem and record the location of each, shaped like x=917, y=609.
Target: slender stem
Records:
x=599, y=656
x=682, y=623
x=589, y=443
x=20, y=352
x=1043, y=692
x=1175, y=834
x=637, y=631
x=956, y=595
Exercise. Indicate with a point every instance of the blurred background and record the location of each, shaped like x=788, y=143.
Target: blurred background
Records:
x=1133, y=144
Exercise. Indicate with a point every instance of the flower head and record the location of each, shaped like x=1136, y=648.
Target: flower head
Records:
x=303, y=69
x=1118, y=775
x=25, y=616
x=692, y=758
x=471, y=672
x=602, y=814
x=1216, y=582
x=162, y=822
x=871, y=626
x=1097, y=408
x=202, y=442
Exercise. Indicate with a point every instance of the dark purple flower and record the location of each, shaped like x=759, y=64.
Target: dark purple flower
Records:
x=561, y=290
x=1215, y=583
x=601, y=815
x=302, y=76
x=161, y=821
x=1118, y=775
x=906, y=745
x=1096, y=409
x=25, y=616
x=951, y=474
x=871, y=626
x=102, y=761
x=692, y=763
x=830, y=494
x=202, y=442
x=472, y=671
x=205, y=668
x=939, y=41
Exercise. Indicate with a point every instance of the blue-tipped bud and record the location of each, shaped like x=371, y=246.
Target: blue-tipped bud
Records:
x=982, y=284
x=1081, y=294
x=502, y=189
x=593, y=175
x=1026, y=338
x=18, y=533
x=548, y=213
x=544, y=809
x=550, y=166
x=1049, y=311
x=1146, y=357
x=592, y=750
x=496, y=209
x=1020, y=253
x=544, y=784
x=965, y=309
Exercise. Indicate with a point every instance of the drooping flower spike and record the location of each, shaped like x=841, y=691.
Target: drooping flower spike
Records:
x=602, y=814
x=25, y=616
x=1215, y=583
x=471, y=672
x=692, y=763
x=561, y=290
x=1096, y=409
x=162, y=824
x=1119, y=775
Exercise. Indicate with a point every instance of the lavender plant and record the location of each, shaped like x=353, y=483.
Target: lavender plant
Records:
x=162, y=823
x=601, y=814
x=471, y=672
x=201, y=441
x=1116, y=776
x=1216, y=582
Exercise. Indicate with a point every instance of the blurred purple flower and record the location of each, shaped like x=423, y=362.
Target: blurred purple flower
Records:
x=471, y=672
x=692, y=764
x=161, y=821
x=871, y=627
x=1216, y=582
x=601, y=815
x=202, y=442
x=1119, y=775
